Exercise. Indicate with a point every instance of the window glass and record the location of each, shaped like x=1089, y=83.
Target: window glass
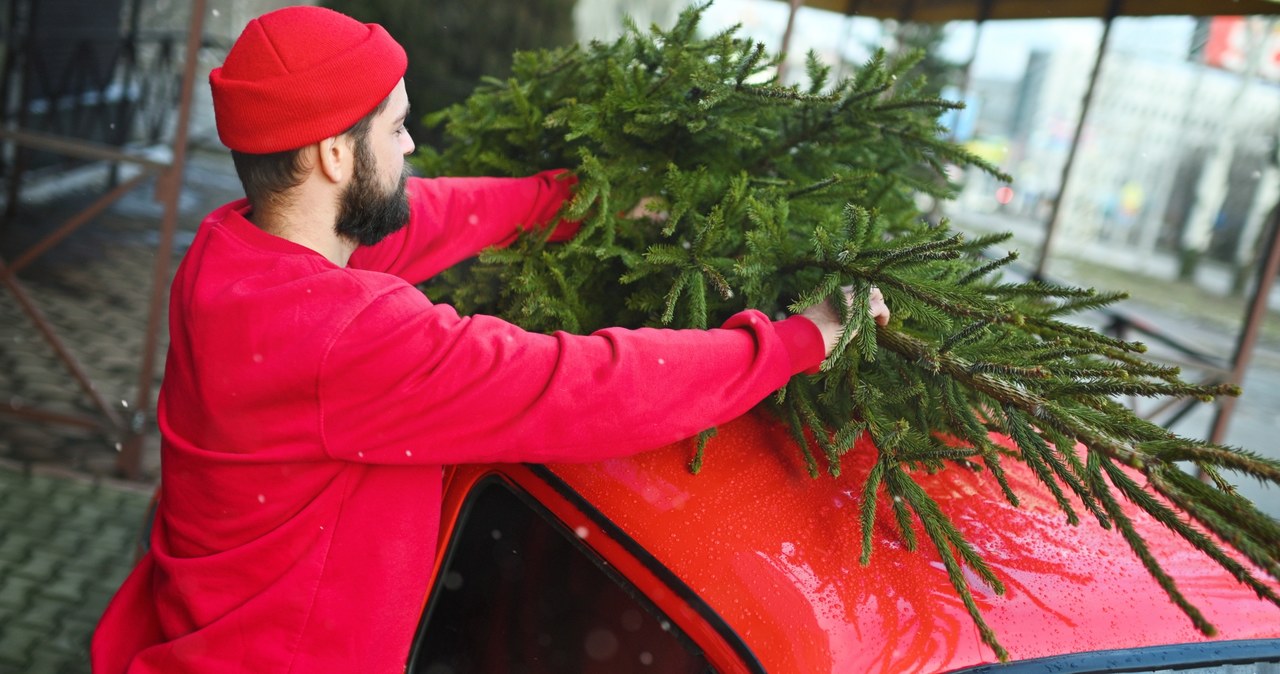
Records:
x=519, y=594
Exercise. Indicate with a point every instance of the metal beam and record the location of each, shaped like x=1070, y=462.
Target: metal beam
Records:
x=73, y=223
x=1254, y=316
x=77, y=371
x=80, y=149
x=1052, y=224
x=939, y=11
x=168, y=190
x=786, y=38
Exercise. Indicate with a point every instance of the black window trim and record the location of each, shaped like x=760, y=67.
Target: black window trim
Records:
x=1180, y=656
x=657, y=568
x=674, y=584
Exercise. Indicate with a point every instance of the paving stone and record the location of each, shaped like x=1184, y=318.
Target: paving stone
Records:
x=44, y=662
x=17, y=665
x=16, y=592
x=18, y=642
x=41, y=522
x=64, y=544
x=14, y=510
x=110, y=571
x=38, y=486
x=61, y=503
x=75, y=634
x=87, y=516
x=99, y=594
x=40, y=566
x=45, y=617
x=65, y=585
x=16, y=544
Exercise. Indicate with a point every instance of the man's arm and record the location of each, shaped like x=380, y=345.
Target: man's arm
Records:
x=452, y=219
x=412, y=382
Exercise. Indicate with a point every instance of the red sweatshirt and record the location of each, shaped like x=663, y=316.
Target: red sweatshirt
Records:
x=307, y=409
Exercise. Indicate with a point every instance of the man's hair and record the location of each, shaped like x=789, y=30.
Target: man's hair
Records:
x=267, y=178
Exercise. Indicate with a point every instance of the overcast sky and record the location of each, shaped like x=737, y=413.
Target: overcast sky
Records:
x=1003, y=50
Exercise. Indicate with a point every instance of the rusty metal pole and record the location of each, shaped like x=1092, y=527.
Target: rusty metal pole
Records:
x=786, y=38
x=966, y=76
x=1253, y=323
x=68, y=359
x=1113, y=10
x=168, y=190
x=75, y=222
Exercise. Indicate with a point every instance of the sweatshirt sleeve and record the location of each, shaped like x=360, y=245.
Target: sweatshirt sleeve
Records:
x=408, y=381
x=452, y=219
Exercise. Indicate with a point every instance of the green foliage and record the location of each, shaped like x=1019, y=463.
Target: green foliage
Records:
x=776, y=197
x=937, y=71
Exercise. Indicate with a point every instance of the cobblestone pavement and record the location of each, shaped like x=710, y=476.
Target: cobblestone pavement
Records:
x=65, y=545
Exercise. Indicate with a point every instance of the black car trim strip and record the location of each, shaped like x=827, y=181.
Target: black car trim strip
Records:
x=678, y=587
x=1147, y=659
x=655, y=567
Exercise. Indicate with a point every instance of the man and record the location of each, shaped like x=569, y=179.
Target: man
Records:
x=312, y=394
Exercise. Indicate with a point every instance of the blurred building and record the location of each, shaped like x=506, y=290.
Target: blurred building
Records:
x=603, y=19
x=1152, y=127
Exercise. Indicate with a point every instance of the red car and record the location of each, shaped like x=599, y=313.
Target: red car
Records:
x=635, y=565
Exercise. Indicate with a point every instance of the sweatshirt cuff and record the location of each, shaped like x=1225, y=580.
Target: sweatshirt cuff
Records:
x=804, y=344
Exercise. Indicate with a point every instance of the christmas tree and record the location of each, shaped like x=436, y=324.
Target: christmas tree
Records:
x=755, y=194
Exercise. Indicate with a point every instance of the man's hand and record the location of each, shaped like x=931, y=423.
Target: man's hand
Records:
x=651, y=208
x=824, y=316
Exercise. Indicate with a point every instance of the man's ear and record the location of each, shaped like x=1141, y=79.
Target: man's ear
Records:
x=336, y=158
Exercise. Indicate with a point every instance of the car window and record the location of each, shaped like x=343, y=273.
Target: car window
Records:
x=523, y=595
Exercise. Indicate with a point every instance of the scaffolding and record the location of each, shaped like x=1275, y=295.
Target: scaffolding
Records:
x=30, y=73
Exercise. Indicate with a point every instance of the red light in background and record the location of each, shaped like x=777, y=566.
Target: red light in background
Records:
x=1004, y=195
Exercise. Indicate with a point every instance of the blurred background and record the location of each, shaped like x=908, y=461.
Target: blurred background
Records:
x=1144, y=151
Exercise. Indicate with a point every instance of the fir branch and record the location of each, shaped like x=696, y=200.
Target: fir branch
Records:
x=747, y=65
x=704, y=437
x=1243, y=461
x=1118, y=386
x=1246, y=528
x=986, y=269
x=970, y=332
x=796, y=427
x=1140, y=548
x=815, y=187
x=1037, y=455
x=1169, y=518
x=925, y=103
x=945, y=539
x=1045, y=326
x=868, y=510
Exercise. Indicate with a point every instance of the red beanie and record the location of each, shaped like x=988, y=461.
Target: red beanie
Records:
x=299, y=75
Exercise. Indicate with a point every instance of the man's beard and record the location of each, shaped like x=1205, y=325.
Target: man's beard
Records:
x=366, y=214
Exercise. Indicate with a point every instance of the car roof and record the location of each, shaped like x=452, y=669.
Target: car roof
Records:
x=775, y=553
